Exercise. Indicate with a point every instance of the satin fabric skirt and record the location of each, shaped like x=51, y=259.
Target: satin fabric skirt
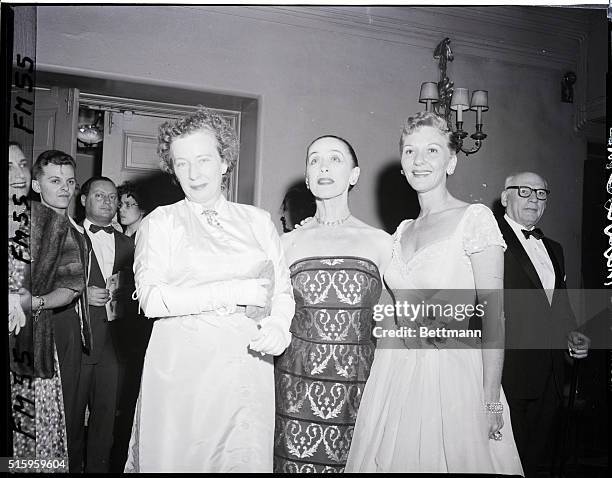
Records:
x=206, y=402
x=423, y=412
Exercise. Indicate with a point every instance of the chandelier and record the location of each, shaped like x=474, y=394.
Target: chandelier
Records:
x=90, y=135
x=442, y=98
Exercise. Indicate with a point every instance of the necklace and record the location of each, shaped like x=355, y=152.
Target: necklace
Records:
x=333, y=223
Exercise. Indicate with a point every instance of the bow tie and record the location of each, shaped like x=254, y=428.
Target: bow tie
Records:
x=211, y=217
x=535, y=232
x=108, y=229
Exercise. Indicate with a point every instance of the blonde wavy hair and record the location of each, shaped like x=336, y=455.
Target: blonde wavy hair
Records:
x=426, y=118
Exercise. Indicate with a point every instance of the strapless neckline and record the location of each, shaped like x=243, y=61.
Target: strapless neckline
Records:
x=326, y=258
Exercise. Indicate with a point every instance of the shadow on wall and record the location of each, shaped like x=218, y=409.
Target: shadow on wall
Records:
x=396, y=199
x=498, y=209
x=155, y=189
x=298, y=204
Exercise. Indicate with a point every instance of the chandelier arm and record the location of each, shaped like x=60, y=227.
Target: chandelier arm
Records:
x=443, y=101
x=474, y=149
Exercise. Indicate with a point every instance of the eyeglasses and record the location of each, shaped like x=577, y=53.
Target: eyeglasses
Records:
x=100, y=197
x=526, y=191
x=128, y=205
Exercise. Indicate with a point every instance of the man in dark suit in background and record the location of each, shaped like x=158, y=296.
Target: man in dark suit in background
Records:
x=539, y=319
x=112, y=258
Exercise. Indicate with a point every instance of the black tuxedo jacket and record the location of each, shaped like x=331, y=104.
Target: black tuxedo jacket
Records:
x=536, y=331
x=106, y=336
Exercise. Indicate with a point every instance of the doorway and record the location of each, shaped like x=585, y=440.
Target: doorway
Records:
x=126, y=117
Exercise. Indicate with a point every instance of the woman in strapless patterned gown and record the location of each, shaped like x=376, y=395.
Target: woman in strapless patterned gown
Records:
x=336, y=268
x=438, y=407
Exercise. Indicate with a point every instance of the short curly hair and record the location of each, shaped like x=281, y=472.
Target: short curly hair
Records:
x=203, y=119
x=426, y=118
x=131, y=190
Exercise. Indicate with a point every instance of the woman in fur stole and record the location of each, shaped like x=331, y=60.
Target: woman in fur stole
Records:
x=47, y=267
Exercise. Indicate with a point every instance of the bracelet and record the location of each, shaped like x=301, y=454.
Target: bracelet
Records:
x=494, y=407
x=41, y=304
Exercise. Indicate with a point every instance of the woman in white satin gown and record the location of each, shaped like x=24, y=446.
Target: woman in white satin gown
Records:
x=214, y=275
x=438, y=407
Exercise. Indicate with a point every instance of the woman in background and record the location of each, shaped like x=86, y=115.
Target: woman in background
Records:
x=131, y=208
x=19, y=245
x=213, y=273
x=434, y=406
x=335, y=262
x=298, y=204
x=58, y=264
x=134, y=331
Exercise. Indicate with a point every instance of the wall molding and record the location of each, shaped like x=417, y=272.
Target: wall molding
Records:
x=547, y=38
x=148, y=108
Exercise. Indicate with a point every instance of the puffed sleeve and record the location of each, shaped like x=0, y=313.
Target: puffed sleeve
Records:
x=152, y=267
x=480, y=230
x=283, y=305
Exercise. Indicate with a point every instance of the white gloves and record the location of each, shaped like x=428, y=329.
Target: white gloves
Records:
x=16, y=317
x=228, y=294
x=270, y=339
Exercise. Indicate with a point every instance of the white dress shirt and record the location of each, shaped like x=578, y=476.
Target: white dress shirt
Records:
x=103, y=245
x=536, y=250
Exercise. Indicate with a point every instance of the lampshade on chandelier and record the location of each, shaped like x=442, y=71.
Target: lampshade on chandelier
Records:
x=442, y=98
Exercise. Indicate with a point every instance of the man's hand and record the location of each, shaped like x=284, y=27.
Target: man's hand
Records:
x=578, y=344
x=97, y=296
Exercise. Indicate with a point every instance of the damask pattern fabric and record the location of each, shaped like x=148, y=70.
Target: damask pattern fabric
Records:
x=320, y=377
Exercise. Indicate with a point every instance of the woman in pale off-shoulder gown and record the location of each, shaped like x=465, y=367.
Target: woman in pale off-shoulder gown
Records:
x=436, y=405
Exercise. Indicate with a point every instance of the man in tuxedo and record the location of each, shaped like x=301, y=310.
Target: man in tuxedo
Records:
x=112, y=258
x=539, y=319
